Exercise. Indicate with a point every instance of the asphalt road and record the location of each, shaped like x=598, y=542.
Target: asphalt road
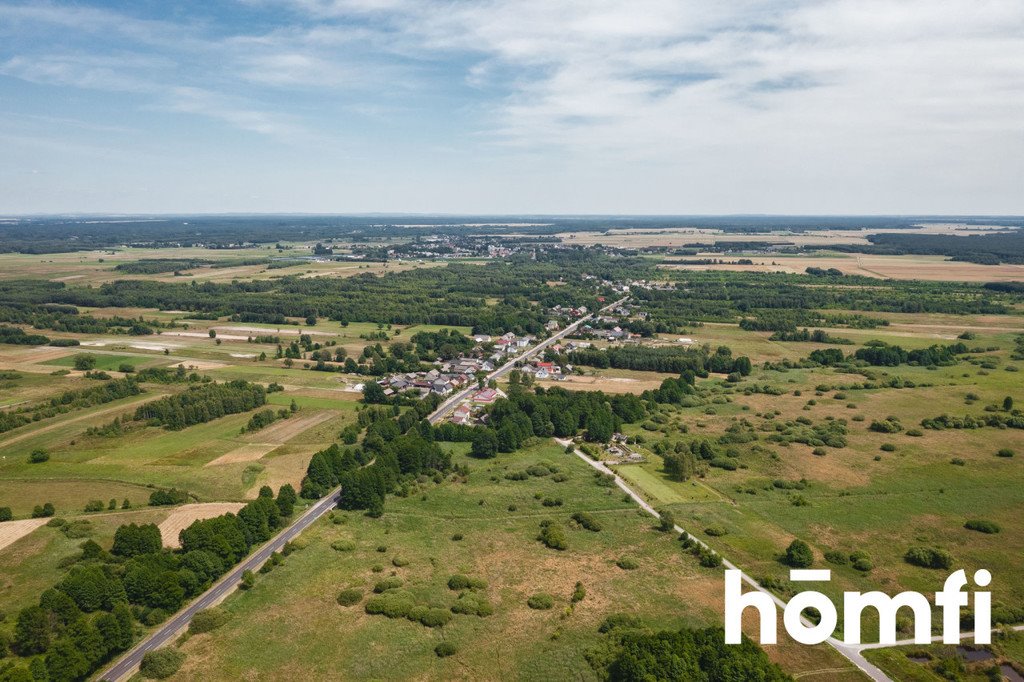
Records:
x=852, y=653
x=129, y=663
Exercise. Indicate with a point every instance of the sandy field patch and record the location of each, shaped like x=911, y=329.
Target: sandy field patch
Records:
x=245, y=453
x=12, y=531
x=294, y=331
x=182, y=517
x=202, y=364
x=606, y=384
x=881, y=267
x=206, y=335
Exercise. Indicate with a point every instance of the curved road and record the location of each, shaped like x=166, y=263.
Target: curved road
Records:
x=130, y=661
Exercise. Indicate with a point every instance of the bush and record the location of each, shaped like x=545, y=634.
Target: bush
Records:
x=709, y=558
x=38, y=456
x=44, y=511
x=587, y=521
x=445, y=649
x=399, y=562
x=460, y=582
x=350, y=597
x=958, y=461
x=578, y=593
x=392, y=583
x=161, y=663
x=861, y=561
x=343, y=545
x=888, y=447
x=928, y=557
x=393, y=604
x=430, y=617
x=472, y=604
x=982, y=526
x=540, y=601
x=836, y=557
x=716, y=531
x=627, y=563
x=208, y=620
x=6, y=514
x=552, y=535
x=1005, y=452
x=799, y=554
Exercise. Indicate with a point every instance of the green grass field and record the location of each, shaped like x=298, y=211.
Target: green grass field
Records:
x=290, y=625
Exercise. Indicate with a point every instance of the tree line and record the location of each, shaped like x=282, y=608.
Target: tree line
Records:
x=89, y=616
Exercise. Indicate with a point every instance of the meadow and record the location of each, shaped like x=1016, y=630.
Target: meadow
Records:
x=484, y=526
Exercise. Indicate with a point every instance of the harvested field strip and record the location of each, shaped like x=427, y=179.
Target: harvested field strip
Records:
x=281, y=431
x=183, y=516
x=12, y=531
x=246, y=453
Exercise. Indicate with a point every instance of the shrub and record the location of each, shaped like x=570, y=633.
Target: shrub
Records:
x=820, y=452
x=888, y=425
x=94, y=506
x=836, y=557
x=916, y=433
x=620, y=621
x=393, y=604
x=44, y=511
x=392, y=583
x=472, y=604
x=457, y=537
x=578, y=593
x=540, y=601
x=1005, y=452
x=716, y=531
x=587, y=521
x=552, y=535
x=708, y=558
x=957, y=461
x=459, y=582
x=982, y=526
x=627, y=563
x=666, y=520
x=161, y=663
x=399, y=562
x=928, y=557
x=799, y=554
x=350, y=597
x=6, y=514
x=38, y=456
x=343, y=545
x=208, y=620
x=888, y=447
x=431, y=617
x=861, y=561
x=445, y=649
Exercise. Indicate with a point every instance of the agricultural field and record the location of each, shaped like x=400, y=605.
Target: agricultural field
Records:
x=97, y=423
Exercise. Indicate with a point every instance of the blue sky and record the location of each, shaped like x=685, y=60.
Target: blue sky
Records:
x=501, y=106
